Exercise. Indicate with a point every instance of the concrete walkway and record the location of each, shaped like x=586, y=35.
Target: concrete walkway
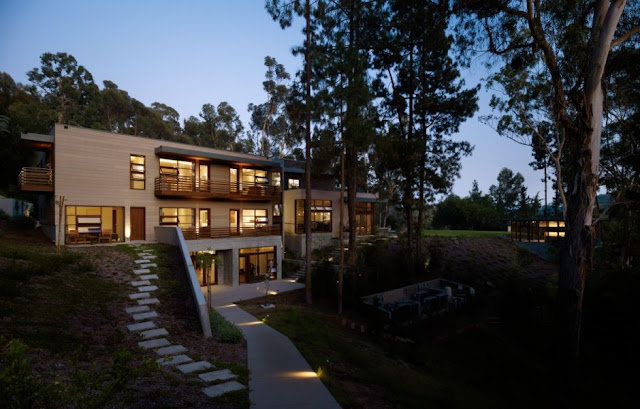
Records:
x=280, y=377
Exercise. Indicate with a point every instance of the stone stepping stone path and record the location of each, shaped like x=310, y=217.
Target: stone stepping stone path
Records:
x=219, y=381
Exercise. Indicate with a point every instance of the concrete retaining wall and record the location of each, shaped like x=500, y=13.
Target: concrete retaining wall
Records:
x=173, y=235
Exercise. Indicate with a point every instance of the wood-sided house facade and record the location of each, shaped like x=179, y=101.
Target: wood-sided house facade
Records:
x=118, y=188
x=325, y=210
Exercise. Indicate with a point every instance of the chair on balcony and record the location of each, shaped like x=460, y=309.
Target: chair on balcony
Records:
x=72, y=237
x=105, y=236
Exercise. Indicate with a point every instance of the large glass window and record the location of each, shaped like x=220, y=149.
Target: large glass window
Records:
x=137, y=172
x=255, y=218
x=204, y=217
x=94, y=224
x=364, y=218
x=177, y=216
x=255, y=176
x=320, y=216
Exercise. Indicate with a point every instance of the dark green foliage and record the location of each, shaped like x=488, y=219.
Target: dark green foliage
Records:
x=22, y=223
x=92, y=389
x=19, y=389
x=223, y=330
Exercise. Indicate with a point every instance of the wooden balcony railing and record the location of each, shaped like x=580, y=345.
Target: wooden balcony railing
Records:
x=182, y=186
x=36, y=179
x=195, y=233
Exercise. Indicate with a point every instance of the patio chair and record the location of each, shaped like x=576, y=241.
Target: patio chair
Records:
x=72, y=237
x=105, y=236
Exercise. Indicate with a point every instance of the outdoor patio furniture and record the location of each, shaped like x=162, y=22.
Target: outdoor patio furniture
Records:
x=105, y=236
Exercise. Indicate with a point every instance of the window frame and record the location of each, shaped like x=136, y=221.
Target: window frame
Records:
x=318, y=216
x=177, y=218
x=133, y=172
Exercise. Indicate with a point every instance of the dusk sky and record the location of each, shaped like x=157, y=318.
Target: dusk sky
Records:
x=188, y=53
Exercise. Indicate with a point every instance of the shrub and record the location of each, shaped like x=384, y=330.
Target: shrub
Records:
x=22, y=223
x=223, y=330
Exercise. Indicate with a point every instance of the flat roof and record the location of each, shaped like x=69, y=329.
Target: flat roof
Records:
x=219, y=156
x=36, y=137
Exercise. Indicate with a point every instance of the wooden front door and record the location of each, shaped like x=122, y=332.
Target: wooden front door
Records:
x=137, y=223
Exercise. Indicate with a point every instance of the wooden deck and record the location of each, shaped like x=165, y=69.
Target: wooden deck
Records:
x=186, y=187
x=195, y=233
x=36, y=180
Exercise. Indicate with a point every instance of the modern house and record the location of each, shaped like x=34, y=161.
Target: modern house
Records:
x=325, y=210
x=536, y=230
x=102, y=187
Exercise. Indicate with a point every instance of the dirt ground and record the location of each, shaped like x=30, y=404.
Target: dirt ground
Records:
x=100, y=330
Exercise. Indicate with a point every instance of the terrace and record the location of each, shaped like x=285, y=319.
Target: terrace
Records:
x=173, y=186
x=36, y=180
x=195, y=233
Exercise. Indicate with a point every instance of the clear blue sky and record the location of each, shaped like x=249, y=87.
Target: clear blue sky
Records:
x=188, y=53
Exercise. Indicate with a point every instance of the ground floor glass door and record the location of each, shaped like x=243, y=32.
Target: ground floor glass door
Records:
x=256, y=263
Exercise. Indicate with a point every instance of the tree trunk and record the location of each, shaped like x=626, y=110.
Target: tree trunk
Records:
x=352, y=155
x=307, y=140
x=341, y=228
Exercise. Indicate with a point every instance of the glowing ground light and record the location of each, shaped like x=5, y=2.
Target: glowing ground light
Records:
x=299, y=374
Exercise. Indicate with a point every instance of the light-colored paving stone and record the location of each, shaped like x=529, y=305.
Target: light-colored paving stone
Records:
x=140, y=326
x=140, y=283
x=221, y=375
x=148, y=265
x=145, y=315
x=195, y=366
x=148, y=301
x=149, y=256
x=148, y=288
x=174, y=360
x=137, y=296
x=148, y=277
x=171, y=350
x=152, y=333
x=154, y=343
x=142, y=261
x=142, y=271
x=139, y=308
x=221, y=389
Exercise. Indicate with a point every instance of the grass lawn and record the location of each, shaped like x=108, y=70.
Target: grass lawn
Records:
x=464, y=233
x=479, y=367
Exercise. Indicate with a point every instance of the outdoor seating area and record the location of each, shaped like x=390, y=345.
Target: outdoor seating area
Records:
x=420, y=301
x=91, y=237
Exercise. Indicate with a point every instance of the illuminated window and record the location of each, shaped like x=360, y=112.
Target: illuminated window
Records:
x=177, y=216
x=277, y=209
x=320, y=216
x=275, y=179
x=137, y=172
x=204, y=217
x=177, y=168
x=294, y=183
x=256, y=176
x=254, y=218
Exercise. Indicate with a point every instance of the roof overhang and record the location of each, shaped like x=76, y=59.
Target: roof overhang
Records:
x=235, y=159
x=38, y=141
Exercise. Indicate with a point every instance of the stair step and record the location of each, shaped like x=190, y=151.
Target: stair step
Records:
x=221, y=389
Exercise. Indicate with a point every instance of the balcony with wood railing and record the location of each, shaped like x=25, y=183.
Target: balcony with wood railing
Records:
x=36, y=180
x=184, y=186
x=195, y=233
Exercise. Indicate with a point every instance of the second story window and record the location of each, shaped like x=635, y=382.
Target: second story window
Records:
x=294, y=184
x=137, y=172
x=177, y=216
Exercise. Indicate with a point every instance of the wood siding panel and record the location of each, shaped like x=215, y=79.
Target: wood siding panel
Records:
x=92, y=169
